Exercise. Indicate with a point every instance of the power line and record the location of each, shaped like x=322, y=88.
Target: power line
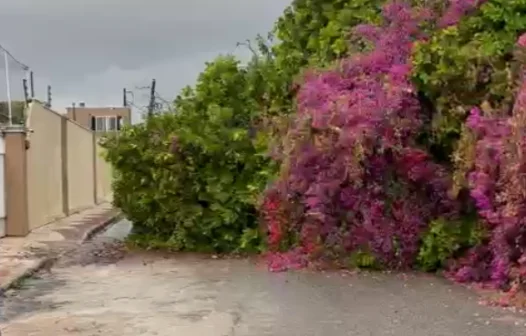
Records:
x=140, y=108
x=24, y=67
x=159, y=103
x=165, y=103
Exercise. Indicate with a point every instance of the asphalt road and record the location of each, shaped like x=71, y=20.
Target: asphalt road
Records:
x=100, y=290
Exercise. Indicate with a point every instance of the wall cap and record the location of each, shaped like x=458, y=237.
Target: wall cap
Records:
x=13, y=129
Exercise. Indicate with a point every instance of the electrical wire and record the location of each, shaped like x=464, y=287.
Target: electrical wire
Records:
x=24, y=67
x=139, y=108
x=165, y=103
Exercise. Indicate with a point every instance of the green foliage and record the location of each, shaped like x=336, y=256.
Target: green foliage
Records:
x=17, y=111
x=203, y=197
x=190, y=181
x=309, y=33
x=445, y=238
x=143, y=174
x=469, y=65
x=252, y=240
x=363, y=259
x=318, y=32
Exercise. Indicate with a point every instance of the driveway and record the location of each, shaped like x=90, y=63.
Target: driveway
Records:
x=101, y=290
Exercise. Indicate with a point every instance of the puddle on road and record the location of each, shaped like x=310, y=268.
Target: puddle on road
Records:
x=105, y=248
x=118, y=231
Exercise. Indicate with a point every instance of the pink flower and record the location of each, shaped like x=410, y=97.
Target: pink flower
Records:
x=355, y=177
x=521, y=42
x=474, y=118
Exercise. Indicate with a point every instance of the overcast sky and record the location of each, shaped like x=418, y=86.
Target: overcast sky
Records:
x=89, y=50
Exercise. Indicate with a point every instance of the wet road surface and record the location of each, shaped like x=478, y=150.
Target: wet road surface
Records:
x=101, y=290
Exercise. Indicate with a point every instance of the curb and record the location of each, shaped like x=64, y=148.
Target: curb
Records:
x=46, y=261
x=27, y=272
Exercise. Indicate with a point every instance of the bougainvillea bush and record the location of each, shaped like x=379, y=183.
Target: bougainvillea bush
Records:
x=494, y=164
x=354, y=181
x=356, y=185
x=466, y=65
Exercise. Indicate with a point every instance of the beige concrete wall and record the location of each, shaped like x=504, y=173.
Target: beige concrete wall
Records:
x=55, y=168
x=44, y=166
x=80, y=167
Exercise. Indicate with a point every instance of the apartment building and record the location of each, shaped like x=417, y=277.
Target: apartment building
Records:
x=100, y=119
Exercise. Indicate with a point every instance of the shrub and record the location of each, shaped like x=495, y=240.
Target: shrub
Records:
x=354, y=178
x=353, y=170
x=365, y=162
x=189, y=181
x=142, y=167
x=496, y=179
x=202, y=196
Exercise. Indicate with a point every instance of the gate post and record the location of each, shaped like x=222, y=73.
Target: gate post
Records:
x=15, y=181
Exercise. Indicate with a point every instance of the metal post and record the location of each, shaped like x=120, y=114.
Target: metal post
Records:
x=8, y=86
x=32, y=84
x=24, y=87
x=48, y=96
x=151, y=106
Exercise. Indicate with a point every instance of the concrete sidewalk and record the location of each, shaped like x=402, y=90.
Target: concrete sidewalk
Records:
x=20, y=257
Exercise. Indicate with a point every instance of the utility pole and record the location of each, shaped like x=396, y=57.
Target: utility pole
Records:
x=31, y=84
x=124, y=98
x=151, y=106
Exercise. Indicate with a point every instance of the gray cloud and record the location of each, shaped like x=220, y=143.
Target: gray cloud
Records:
x=89, y=50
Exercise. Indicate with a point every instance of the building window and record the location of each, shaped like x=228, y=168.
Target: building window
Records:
x=106, y=123
x=112, y=124
x=100, y=124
